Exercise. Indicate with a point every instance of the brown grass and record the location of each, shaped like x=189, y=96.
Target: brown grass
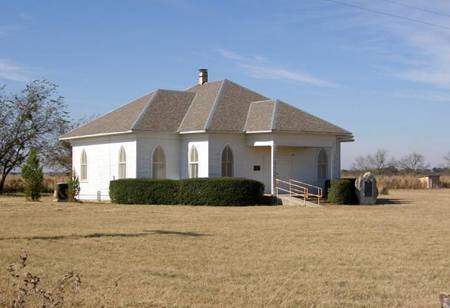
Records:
x=14, y=183
x=392, y=255
x=387, y=182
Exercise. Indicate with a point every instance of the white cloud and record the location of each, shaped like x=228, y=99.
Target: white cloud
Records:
x=259, y=67
x=279, y=73
x=420, y=96
x=420, y=51
x=14, y=72
x=6, y=30
x=228, y=54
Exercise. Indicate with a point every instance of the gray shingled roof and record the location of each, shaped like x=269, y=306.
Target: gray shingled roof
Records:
x=231, y=108
x=221, y=106
x=291, y=119
x=260, y=116
x=116, y=121
x=201, y=106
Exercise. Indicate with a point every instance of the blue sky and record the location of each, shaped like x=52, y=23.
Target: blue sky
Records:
x=385, y=78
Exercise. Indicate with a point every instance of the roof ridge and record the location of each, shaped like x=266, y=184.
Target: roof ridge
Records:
x=199, y=85
x=274, y=114
x=263, y=101
x=248, y=115
x=144, y=110
x=187, y=111
x=245, y=88
x=214, y=105
x=171, y=90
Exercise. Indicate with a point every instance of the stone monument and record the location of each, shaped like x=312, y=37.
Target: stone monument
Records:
x=366, y=188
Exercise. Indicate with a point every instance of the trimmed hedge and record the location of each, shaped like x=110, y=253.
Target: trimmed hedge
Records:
x=342, y=191
x=201, y=191
x=144, y=191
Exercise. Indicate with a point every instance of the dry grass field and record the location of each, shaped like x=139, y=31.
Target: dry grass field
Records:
x=391, y=255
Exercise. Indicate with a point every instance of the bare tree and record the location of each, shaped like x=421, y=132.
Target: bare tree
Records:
x=379, y=161
x=30, y=119
x=447, y=159
x=412, y=162
x=362, y=163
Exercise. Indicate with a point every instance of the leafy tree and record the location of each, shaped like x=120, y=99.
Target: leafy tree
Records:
x=31, y=119
x=33, y=176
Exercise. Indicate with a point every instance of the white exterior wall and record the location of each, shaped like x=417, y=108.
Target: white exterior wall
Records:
x=296, y=157
x=201, y=142
x=244, y=158
x=103, y=162
x=146, y=144
x=301, y=164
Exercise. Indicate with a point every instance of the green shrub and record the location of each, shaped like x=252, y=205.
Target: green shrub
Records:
x=73, y=190
x=33, y=176
x=342, y=191
x=144, y=191
x=202, y=191
x=220, y=191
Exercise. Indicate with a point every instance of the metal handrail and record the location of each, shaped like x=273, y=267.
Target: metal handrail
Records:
x=305, y=184
x=318, y=188
x=294, y=189
x=290, y=186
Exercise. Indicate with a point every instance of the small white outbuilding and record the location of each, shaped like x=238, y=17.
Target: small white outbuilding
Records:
x=213, y=129
x=431, y=181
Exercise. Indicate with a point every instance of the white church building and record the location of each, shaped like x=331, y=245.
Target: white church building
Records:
x=213, y=129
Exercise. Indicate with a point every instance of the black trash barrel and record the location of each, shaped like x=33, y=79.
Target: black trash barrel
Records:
x=61, y=192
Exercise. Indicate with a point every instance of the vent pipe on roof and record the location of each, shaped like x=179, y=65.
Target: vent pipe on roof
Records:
x=202, y=76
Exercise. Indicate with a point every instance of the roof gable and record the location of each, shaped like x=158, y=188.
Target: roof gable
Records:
x=260, y=116
x=231, y=108
x=198, y=113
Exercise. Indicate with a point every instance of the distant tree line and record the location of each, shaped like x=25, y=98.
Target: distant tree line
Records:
x=383, y=164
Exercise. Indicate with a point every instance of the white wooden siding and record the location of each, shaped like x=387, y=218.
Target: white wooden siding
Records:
x=103, y=163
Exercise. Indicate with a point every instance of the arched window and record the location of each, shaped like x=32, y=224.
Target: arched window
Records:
x=193, y=163
x=227, y=162
x=122, y=163
x=322, y=165
x=83, y=166
x=158, y=163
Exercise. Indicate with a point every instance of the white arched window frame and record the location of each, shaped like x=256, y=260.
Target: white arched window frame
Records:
x=193, y=162
x=122, y=174
x=158, y=163
x=227, y=161
x=322, y=165
x=83, y=166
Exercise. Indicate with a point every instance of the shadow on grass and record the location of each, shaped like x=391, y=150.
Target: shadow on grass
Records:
x=388, y=201
x=100, y=235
